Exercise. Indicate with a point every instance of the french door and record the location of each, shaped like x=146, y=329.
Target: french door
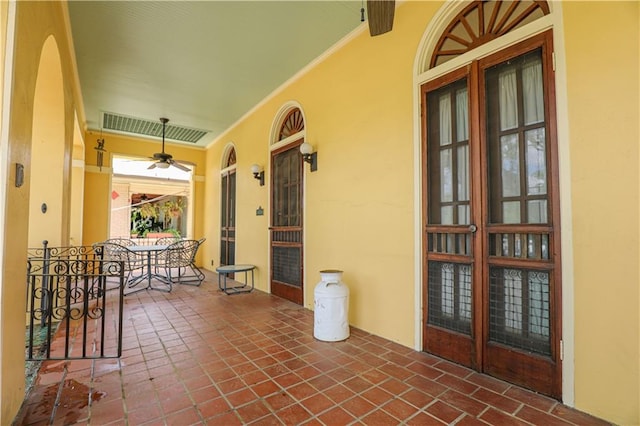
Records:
x=228, y=218
x=286, y=223
x=491, y=217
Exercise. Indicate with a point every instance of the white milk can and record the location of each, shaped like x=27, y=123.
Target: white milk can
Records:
x=331, y=314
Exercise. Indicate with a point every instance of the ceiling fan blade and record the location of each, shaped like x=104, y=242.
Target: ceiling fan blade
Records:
x=380, y=14
x=180, y=166
x=152, y=166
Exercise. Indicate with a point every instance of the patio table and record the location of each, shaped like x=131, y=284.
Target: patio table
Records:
x=225, y=271
x=149, y=275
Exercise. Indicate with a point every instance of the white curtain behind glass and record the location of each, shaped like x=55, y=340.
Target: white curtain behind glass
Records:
x=508, y=90
x=532, y=92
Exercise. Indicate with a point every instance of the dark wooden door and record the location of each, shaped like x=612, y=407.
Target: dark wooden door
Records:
x=286, y=223
x=491, y=240
x=451, y=247
x=228, y=218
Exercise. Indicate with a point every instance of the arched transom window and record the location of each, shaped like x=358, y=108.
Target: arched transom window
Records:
x=481, y=22
x=230, y=159
x=292, y=124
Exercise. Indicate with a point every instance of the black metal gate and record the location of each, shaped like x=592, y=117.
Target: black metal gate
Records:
x=77, y=294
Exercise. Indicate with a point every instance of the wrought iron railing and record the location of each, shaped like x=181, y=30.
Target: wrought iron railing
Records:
x=67, y=293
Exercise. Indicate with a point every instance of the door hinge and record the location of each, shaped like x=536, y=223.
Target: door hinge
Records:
x=561, y=350
x=553, y=60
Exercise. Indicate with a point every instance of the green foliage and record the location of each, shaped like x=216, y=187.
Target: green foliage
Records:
x=149, y=210
x=157, y=217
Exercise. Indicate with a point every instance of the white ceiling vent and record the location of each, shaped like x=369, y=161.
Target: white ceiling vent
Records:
x=140, y=126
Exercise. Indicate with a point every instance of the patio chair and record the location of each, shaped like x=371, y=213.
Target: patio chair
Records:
x=132, y=262
x=127, y=242
x=160, y=256
x=165, y=241
x=178, y=263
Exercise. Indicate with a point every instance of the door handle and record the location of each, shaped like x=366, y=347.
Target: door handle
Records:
x=473, y=229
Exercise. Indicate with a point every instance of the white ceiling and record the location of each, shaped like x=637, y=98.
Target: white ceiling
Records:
x=202, y=64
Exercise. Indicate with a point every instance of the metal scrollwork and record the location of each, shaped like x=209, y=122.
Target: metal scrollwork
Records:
x=67, y=285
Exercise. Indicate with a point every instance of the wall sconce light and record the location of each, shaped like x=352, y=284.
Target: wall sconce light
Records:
x=309, y=156
x=258, y=173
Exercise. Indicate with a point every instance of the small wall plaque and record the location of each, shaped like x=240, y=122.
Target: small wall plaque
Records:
x=259, y=211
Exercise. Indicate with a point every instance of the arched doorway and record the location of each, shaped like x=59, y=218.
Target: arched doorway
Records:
x=287, y=185
x=491, y=213
x=228, y=207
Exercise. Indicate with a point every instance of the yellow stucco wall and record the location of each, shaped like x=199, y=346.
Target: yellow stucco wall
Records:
x=603, y=93
x=34, y=23
x=359, y=209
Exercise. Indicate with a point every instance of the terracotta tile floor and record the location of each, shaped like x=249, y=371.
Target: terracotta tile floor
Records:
x=197, y=356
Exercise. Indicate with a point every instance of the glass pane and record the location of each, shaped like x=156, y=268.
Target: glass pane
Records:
x=463, y=173
x=232, y=199
x=531, y=245
x=223, y=202
x=463, y=215
x=506, y=251
x=446, y=215
x=536, y=162
x=510, y=156
x=445, y=119
x=447, y=289
x=286, y=188
x=450, y=296
x=451, y=243
x=511, y=212
x=539, y=303
x=464, y=279
x=223, y=253
x=517, y=246
x=286, y=265
x=519, y=302
x=545, y=247
x=532, y=92
x=446, y=176
x=508, y=92
x=293, y=208
x=462, y=119
x=513, y=299
x=537, y=211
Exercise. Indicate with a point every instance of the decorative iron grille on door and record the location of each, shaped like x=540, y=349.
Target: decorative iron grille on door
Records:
x=75, y=291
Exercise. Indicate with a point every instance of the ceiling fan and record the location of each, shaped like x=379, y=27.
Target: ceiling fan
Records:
x=164, y=160
x=380, y=14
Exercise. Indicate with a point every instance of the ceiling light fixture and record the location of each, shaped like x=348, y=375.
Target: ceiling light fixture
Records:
x=163, y=159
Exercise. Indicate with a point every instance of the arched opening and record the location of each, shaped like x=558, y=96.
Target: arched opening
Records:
x=287, y=210
x=47, y=168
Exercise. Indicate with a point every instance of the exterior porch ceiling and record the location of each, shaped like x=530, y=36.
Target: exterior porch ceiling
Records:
x=202, y=64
